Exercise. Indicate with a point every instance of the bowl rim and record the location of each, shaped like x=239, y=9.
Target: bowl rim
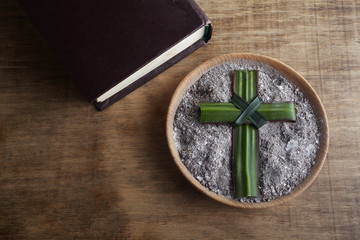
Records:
x=289, y=74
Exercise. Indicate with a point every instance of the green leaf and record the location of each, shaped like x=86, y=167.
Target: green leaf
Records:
x=246, y=141
x=248, y=111
x=245, y=136
x=245, y=168
x=229, y=113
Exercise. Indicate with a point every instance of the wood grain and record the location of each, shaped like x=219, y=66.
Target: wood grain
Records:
x=68, y=171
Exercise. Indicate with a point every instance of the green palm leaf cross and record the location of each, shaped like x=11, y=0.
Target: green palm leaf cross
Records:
x=247, y=115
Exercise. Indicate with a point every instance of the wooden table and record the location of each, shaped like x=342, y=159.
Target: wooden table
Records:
x=68, y=171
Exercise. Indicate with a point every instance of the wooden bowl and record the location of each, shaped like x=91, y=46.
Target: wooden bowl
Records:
x=289, y=74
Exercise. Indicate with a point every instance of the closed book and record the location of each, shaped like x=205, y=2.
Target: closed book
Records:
x=111, y=47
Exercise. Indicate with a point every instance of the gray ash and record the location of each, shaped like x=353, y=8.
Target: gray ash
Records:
x=287, y=150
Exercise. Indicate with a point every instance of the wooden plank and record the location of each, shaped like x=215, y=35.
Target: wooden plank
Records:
x=67, y=171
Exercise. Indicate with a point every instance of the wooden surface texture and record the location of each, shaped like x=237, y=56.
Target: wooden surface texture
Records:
x=70, y=172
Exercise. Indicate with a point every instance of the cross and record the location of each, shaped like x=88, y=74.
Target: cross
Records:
x=247, y=114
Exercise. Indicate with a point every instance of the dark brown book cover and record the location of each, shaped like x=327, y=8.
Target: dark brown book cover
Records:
x=101, y=42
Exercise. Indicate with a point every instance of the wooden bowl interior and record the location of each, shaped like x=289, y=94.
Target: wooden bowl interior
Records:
x=289, y=74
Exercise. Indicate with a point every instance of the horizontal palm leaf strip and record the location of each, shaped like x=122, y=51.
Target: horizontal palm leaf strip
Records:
x=227, y=112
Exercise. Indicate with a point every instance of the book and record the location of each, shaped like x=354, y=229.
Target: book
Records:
x=111, y=47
